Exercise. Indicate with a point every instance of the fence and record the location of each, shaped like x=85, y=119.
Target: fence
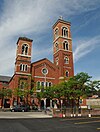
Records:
x=69, y=112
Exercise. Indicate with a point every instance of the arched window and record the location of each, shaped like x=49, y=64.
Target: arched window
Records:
x=46, y=84
x=20, y=67
x=67, y=74
x=56, y=45
x=65, y=45
x=56, y=32
x=66, y=60
x=25, y=49
x=42, y=84
x=57, y=61
x=38, y=85
x=22, y=85
x=65, y=32
x=23, y=67
x=50, y=84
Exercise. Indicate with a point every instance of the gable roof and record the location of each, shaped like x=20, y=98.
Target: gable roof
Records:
x=39, y=61
x=44, y=59
x=4, y=78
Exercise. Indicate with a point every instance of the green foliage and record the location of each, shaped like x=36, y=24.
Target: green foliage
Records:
x=22, y=92
x=94, y=87
x=78, y=86
x=72, y=89
x=5, y=93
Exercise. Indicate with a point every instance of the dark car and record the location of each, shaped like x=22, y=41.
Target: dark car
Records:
x=20, y=108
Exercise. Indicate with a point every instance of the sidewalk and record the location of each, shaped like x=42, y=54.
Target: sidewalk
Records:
x=16, y=115
x=40, y=115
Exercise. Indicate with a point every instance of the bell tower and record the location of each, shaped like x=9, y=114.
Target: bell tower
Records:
x=62, y=49
x=23, y=56
x=22, y=75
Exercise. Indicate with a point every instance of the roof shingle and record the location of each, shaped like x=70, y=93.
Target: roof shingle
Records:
x=4, y=78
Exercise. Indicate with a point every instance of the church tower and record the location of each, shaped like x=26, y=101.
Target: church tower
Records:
x=62, y=49
x=22, y=76
x=23, y=56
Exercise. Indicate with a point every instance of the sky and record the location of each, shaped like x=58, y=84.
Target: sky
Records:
x=34, y=19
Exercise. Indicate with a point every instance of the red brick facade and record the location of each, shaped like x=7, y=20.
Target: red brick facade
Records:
x=44, y=72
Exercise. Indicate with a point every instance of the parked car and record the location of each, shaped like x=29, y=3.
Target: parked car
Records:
x=20, y=108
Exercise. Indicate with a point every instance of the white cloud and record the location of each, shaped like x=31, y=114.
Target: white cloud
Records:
x=84, y=47
x=30, y=17
x=41, y=53
x=6, y=60
x=96, y=78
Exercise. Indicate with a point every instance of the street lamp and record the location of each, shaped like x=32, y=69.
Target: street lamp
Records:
x=89, y=108
x=45, y=72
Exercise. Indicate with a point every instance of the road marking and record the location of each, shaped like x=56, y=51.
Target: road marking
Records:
x=72, y=119
x=87, y=122
x=66, y=119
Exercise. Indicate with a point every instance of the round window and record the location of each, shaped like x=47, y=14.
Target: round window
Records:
x=44, y=71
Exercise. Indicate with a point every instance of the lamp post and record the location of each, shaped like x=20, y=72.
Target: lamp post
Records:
x=61, y=108
x=44, y=71
x=89, y=108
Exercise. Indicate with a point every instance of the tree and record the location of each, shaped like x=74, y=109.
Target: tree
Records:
x=70, y=90
x=23, y=94
x=5, y=93
x=94, y=87
x=79, y=87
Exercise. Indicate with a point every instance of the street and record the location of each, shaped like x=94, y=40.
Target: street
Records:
x=48, y=124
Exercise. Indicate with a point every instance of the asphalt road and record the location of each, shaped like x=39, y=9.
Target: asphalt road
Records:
x=50, y=125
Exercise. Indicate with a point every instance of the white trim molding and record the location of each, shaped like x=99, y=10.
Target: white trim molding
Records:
x=24, y=55
x=43, y=77
x=61, y=37
x=62, y=50
x=67, y=67
x=22, y=73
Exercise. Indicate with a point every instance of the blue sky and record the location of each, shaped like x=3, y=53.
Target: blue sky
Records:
x=34, y=19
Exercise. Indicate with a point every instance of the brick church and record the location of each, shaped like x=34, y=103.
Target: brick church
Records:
x=43, y=72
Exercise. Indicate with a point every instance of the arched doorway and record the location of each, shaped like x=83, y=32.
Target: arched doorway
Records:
x=6, y=103
x=42, y=104
x=47, y=103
